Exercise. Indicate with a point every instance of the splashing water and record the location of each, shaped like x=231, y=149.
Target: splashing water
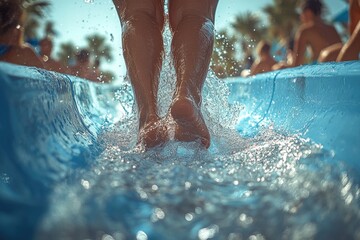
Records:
x=271, y=186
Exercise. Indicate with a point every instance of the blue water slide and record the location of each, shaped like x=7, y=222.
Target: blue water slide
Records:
x=47, y=128
x=49, y=135
x=320, y=102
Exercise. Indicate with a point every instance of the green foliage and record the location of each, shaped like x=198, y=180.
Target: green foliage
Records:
x=283, y=18
x=98, y=49
x=96, y=45
x=31, y=27
x=248, y=30
x=67, y=53
x=50, y=29
x=223, y=62
x=35, y=8
x=35, y=12
x=249, y=26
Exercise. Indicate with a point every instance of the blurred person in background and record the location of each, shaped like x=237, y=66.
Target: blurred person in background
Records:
x=265, y=61
x=313, y=33
x=289, y=58
x=13, y=49
x=349, y=50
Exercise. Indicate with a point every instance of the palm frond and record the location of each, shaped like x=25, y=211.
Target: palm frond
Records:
x=35, y=8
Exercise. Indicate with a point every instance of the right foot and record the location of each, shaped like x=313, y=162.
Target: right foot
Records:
x=190, y=125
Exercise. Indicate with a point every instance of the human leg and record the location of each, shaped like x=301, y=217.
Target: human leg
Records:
x=192, y=24
x=142, y=24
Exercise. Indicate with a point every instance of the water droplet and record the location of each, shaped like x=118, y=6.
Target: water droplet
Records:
x=85, y=184
x=141, y=235
x=189, y=217
x=107, y=237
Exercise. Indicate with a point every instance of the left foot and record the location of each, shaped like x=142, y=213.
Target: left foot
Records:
x=190, y=125
x=152, y=134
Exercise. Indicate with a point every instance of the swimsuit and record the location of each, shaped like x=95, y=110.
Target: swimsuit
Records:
x=4, y=49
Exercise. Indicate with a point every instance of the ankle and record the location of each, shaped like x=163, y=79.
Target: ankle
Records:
x=145, y=119
x=193, y=93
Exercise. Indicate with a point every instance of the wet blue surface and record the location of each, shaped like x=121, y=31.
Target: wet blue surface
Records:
x=69, y=169
x=320, y=102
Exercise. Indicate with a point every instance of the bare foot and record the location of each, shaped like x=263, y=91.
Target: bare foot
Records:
x=190, y=125
x=153, y=133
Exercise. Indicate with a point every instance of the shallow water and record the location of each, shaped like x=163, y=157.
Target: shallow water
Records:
x=268, y=187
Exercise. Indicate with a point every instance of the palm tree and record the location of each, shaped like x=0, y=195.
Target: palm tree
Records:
x=49, y=29
x=249, y=26
x=223, y=61
x=35, y=7
x=67, y=53
x=283, y=18
x=30, y=31
x=99, y=51
x=34, y=10
x=249, y=31
x=98, y=48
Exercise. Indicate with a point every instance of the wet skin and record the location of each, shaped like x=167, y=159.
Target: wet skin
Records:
x=192, y=26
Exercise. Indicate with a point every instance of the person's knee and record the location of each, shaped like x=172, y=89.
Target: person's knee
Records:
x=142, y=17
x=194, y=21
x=184, y=11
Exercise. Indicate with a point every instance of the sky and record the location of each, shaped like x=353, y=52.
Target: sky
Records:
x=75, y=19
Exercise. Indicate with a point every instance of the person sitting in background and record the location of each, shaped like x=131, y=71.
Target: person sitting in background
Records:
x=46, y=46
x=351, y=49
x=329, y=54
x=265, y=62
x=289, y=60
x=313, y=33
x=13, y=49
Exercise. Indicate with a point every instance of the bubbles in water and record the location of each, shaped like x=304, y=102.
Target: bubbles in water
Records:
x=89, y=1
